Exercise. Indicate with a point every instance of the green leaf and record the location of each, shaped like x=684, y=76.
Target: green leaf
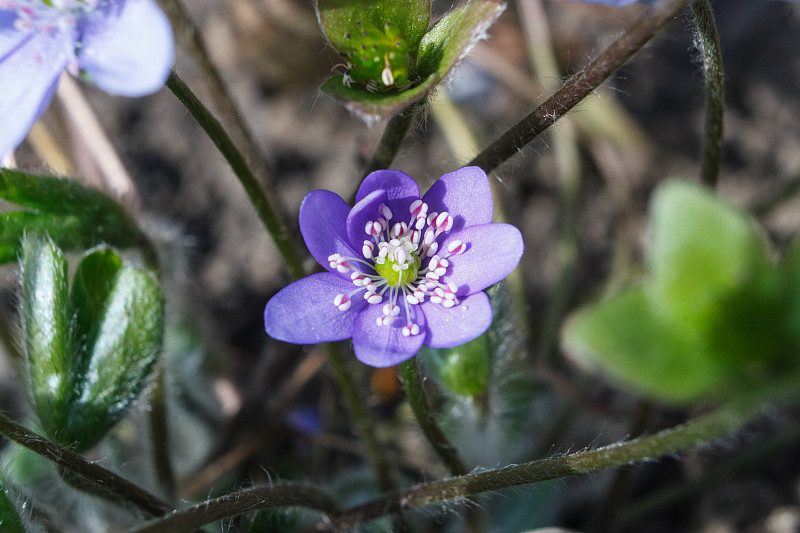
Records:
x=463, y=369
x=73, y=215
x=10, y=521
x=46, y=331
x=625, y=338
x=701, y=250
x=127, y=341
x=339, y=18
x=372, y=106
x=91, y=287
x=455, y=33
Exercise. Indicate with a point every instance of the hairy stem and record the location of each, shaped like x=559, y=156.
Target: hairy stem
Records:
x=392, y=138
x=415, y=392
x=279, y=495
x=579, y=85
x=159, y=435
x=706, y=40
x=66, y=459
x=698, y=431
x=364, y=425
x=261, y=202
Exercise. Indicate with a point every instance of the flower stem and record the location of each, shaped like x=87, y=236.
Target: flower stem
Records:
x=579, y=85
x=66, y=459
x=258, y=197
x=364, y=426
x=279, y=495
x=698, y=431
x=159, y=431
x=415, y=392
x=392, y=138
x=706, y=40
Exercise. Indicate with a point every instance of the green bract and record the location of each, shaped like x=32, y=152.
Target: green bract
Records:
x=73, y=215
x=717, y=318
x=89, y=351
x=391, y=58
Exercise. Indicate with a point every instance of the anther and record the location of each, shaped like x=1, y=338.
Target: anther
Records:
x=384, y=209
x=456, y=247
x=367, y=249
x=342, y=301
x=410, y=329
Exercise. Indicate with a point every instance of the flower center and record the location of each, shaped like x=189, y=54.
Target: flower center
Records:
x=406, y=265
x=401, y=263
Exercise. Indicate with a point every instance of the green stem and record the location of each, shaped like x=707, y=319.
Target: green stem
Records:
x=64, y=458
x=392, y=138
x=364, y=425
x=159, y=436
x=707, y=42
x=698, y=431
x=279, y=495
x=258, y=197
x=579, y=85
x=415, y=392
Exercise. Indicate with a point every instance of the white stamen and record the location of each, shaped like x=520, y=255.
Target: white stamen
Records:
x=384, y=320
x=410, y=329
x=443, y=222
x=456, y=247
x=373, y=298
x=367, y=249
x=391, y=310
x=342, y=301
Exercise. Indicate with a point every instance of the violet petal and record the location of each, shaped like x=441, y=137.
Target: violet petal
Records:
x=129, y=50
x=459, y=324
x=364, y=211
x=382, y=346
x=465, y=194
x=30, y=65
x=322, y=224
x=400, y=188
x=493, y=251
x=303, y=312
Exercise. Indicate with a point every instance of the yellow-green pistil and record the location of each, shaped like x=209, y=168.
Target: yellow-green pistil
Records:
x=399, y=274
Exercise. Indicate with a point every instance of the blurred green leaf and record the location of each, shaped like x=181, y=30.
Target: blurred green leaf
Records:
x=623, y=337
x=46, y=321
x=716, y=319
x=700, y=250
x=73, y=215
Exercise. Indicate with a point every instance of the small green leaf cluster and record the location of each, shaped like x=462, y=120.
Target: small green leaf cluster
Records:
x=392, y=58
x=89, y=348
x=74, y=216
x=717, y=319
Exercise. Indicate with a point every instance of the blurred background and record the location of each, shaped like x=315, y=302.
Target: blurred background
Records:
x=245, y=409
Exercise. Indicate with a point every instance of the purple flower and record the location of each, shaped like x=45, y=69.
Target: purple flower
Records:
x=403, y=271
x=123, y=46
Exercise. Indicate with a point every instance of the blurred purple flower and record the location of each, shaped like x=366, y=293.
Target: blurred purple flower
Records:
x=402, y=271
x=123, y=46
